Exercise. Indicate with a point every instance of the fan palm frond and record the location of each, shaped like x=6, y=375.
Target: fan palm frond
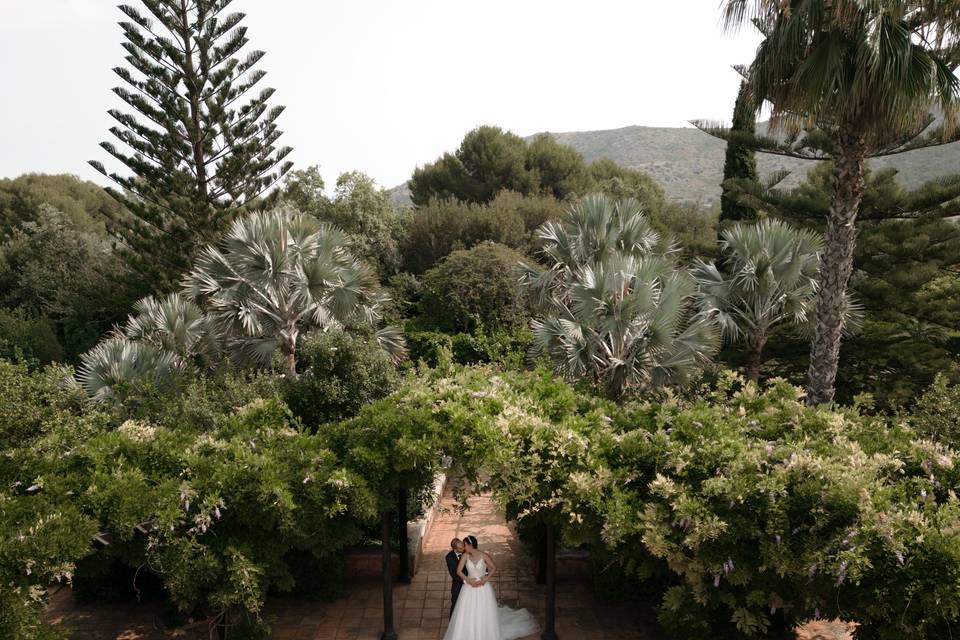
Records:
x=615, y=309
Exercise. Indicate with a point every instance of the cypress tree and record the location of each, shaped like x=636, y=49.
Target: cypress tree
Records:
x=198, y=146
x=740, y=164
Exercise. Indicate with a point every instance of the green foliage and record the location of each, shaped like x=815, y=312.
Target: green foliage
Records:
x=197, y=144
x=41, y=535
x=488, y=161
x=904, y=278
x=225, y=505
x=40, y=543
x=740, y=162
x=620, y=182
x=84, y=204
x=37, y=403
x=51, y=266
x=202, y=401
x=491, y=160
x=362, y=209
x=442, y=226
x=277, y=273
x=768, y=512
x=476, y=289
x=935, y=414
x=612, y=310
x=338, y=374
x=438, y=349
x=560, y=170
x=31, y=338
x=767, y=276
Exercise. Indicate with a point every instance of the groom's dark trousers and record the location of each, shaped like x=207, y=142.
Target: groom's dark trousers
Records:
x=457, y=584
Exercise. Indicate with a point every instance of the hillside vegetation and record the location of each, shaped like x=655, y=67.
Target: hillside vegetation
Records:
x=688, y=164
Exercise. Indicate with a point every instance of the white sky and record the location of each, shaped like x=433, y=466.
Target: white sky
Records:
x=385, y=85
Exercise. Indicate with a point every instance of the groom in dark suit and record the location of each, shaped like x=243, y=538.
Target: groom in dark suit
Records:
x=453, y=559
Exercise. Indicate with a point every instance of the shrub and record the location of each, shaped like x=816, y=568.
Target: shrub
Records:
x=474, y=290
x=768, y=512
x=224, y=507
x=28, y=337
x=198, y=401
x=42, y=534
x=37, y=406
x=340, y=373
x=39, y=542
x=441, y=226
x=437, y=349
x=937, y=414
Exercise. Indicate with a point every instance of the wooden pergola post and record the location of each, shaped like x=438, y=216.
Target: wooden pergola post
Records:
x=550, y=616
x=388, y=631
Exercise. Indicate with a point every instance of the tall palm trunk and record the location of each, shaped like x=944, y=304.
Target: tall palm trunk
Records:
x=836, y=264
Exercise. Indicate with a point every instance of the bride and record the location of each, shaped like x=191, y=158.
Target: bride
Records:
x=477, y=616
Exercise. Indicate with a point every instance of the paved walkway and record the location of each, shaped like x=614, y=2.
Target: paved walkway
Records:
x=420, y=608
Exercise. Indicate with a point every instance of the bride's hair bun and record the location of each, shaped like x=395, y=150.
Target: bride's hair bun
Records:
x=473, y=542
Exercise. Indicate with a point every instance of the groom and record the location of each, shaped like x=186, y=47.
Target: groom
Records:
x=453, y=559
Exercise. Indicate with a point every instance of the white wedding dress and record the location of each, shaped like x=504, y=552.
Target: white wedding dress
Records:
x=477, y=616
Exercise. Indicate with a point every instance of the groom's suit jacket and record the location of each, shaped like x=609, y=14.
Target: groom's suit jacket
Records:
x=452, y=562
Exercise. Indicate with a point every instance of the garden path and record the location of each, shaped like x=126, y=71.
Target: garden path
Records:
x=420, y=608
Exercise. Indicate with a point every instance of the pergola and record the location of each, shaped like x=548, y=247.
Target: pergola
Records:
x=390, y=633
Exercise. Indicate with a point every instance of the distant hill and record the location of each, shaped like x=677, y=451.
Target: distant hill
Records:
x=689, y=164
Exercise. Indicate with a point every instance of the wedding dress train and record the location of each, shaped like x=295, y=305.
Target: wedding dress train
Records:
x=478, y=617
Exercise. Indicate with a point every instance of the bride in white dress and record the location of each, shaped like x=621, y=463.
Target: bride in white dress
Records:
x=477, y=616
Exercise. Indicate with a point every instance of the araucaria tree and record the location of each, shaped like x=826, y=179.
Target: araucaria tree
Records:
x=614, y=309
x=847, y=80
x=199, y=144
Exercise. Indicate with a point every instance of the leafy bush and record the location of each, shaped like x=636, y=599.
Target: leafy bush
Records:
x=474, y=290
x=437, y=349
x=224, y=507
x=41, y=534
x=37, y=406
x=937, y=414
x=340, y=373
x=198, y=402
x=442, y=226
x=28, y=337
x=39, y=542
x=768, y=512
x=54, y=268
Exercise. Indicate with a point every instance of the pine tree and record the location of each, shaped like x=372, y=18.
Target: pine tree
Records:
x=197, y=147
x=740, y=163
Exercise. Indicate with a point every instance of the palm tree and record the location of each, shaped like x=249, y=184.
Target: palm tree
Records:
x=278, y=273
x=614, y=310
x=858, y=80
x=768, y=276
x=119, y=360
x=161, y=337
x=174, y=324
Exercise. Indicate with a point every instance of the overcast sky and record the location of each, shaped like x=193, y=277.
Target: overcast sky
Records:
x=385, y=85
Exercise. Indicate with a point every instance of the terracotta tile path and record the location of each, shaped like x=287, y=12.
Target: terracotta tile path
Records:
x=420, y=608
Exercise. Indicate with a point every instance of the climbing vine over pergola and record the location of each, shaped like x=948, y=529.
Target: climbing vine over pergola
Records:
x=523, y=437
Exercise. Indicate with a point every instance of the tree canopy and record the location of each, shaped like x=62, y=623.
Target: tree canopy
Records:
x=197, y=146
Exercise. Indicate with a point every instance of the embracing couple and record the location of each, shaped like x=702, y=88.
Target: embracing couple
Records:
x=474, y=613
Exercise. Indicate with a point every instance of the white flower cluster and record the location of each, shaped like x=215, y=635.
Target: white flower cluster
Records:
x=137, y=431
